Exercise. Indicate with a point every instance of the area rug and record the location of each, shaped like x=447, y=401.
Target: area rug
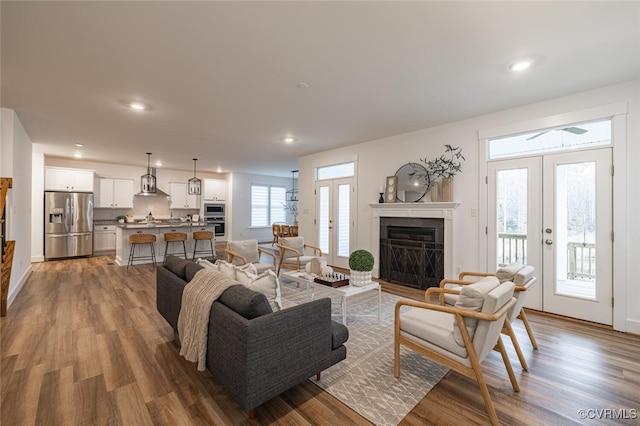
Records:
x=364, y=381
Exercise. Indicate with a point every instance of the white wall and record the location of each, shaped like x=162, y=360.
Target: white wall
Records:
x=380, y=158
x=240, y=228
x=15, y=162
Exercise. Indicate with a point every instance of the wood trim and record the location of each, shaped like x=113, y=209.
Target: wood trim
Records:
x=5, y=278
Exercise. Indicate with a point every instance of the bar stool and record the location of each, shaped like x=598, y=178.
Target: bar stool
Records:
x=138, y=240
x=200, y=236
x=174, y=237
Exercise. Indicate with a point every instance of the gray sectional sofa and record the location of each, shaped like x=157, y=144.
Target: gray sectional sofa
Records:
x=253, y=352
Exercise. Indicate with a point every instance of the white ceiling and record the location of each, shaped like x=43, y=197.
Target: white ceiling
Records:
x=222, y=77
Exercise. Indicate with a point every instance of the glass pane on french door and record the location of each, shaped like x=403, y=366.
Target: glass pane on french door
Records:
x=512, y=216
x=578, y=277
x=515, y=217
x=322, y=192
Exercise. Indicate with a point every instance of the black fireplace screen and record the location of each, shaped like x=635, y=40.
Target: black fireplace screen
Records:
x=412, y=254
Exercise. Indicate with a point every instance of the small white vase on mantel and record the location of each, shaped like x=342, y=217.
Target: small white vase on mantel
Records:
x=435, y=192
x=447, y=190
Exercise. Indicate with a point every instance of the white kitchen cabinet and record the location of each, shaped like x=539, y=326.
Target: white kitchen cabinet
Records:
x=114, y=193
x=104, y=238
x=215, y=190
x=180, y=197
x=61, y=179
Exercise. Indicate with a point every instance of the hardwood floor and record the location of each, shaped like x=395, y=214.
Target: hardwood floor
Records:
x=83, y=344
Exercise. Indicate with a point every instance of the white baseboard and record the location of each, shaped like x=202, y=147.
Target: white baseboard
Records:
x=633, y=326
x=37, y=259
x=13, y=292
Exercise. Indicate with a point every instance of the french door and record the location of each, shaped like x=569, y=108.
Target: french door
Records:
x=554, y=212
x=334, y=219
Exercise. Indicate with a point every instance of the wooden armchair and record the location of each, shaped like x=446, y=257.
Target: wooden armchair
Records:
x=522, y=277
x=292, y=253
x=459, y=337
x=247, y=251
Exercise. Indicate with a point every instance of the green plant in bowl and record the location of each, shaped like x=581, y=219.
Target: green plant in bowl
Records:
x=361, y=260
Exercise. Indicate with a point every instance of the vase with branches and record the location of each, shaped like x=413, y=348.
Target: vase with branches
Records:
x=445, y=167
x=293, y=209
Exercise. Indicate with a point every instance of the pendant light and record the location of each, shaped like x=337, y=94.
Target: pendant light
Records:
x=148, y=181
x=194, y=184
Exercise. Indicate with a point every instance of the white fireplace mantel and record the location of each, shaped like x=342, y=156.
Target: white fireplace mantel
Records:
x=444, y=211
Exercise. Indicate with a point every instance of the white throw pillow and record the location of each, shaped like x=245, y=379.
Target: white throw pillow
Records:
x=266, y=283
x=472, y=298
x=226, y=268
x=205, y=263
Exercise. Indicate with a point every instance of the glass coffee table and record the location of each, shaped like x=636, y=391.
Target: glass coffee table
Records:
x=345, y=292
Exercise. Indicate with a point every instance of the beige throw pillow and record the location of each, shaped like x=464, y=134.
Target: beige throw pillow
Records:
x=205, y=263
x=230, y=270
x=472, y=298
x=266, y=283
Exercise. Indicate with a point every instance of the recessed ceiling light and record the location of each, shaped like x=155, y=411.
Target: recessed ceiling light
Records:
x=520, y=65
x=158, y=163
x=79, y=145
x=219, y=170
x=137, y=106
x=289, y=139
x=77, y=155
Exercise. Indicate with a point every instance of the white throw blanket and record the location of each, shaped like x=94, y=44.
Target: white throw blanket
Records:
x=193, y=321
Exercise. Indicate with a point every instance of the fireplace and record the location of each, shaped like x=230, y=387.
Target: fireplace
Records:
x=444, y=234
x=412, y=251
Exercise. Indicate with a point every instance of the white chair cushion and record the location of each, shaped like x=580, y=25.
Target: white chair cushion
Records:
x=296, y=243
x=266, y=283
x=506, y=273
x=487, y=332
x=246, y=248
x=472, y=298
x=303, y=260
x=432, y=326
x=524, y=275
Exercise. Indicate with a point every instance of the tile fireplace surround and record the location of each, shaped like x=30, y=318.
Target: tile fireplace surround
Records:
x=444, y=211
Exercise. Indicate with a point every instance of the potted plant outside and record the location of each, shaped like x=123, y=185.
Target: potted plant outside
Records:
x=361, y=264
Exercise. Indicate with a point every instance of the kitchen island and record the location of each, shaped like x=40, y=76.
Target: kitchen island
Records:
x=157, y=228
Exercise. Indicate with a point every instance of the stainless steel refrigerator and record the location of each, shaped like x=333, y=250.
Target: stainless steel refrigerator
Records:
x=68, y=224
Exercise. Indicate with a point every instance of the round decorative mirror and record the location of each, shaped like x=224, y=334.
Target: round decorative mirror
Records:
x=413, y=182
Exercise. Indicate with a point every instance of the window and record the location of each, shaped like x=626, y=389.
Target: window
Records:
x=335, y=171
x=563, y=138
x=267, y=205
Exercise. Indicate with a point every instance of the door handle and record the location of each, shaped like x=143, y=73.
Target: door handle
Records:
x=548, y=241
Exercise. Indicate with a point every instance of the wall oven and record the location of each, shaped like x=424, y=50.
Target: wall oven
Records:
x=214, y=214
x=218, y=224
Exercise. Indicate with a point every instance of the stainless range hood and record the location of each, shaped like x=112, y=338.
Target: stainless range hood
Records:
x=146, y=190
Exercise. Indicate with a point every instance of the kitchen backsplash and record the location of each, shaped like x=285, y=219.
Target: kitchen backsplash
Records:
x=158, y=206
